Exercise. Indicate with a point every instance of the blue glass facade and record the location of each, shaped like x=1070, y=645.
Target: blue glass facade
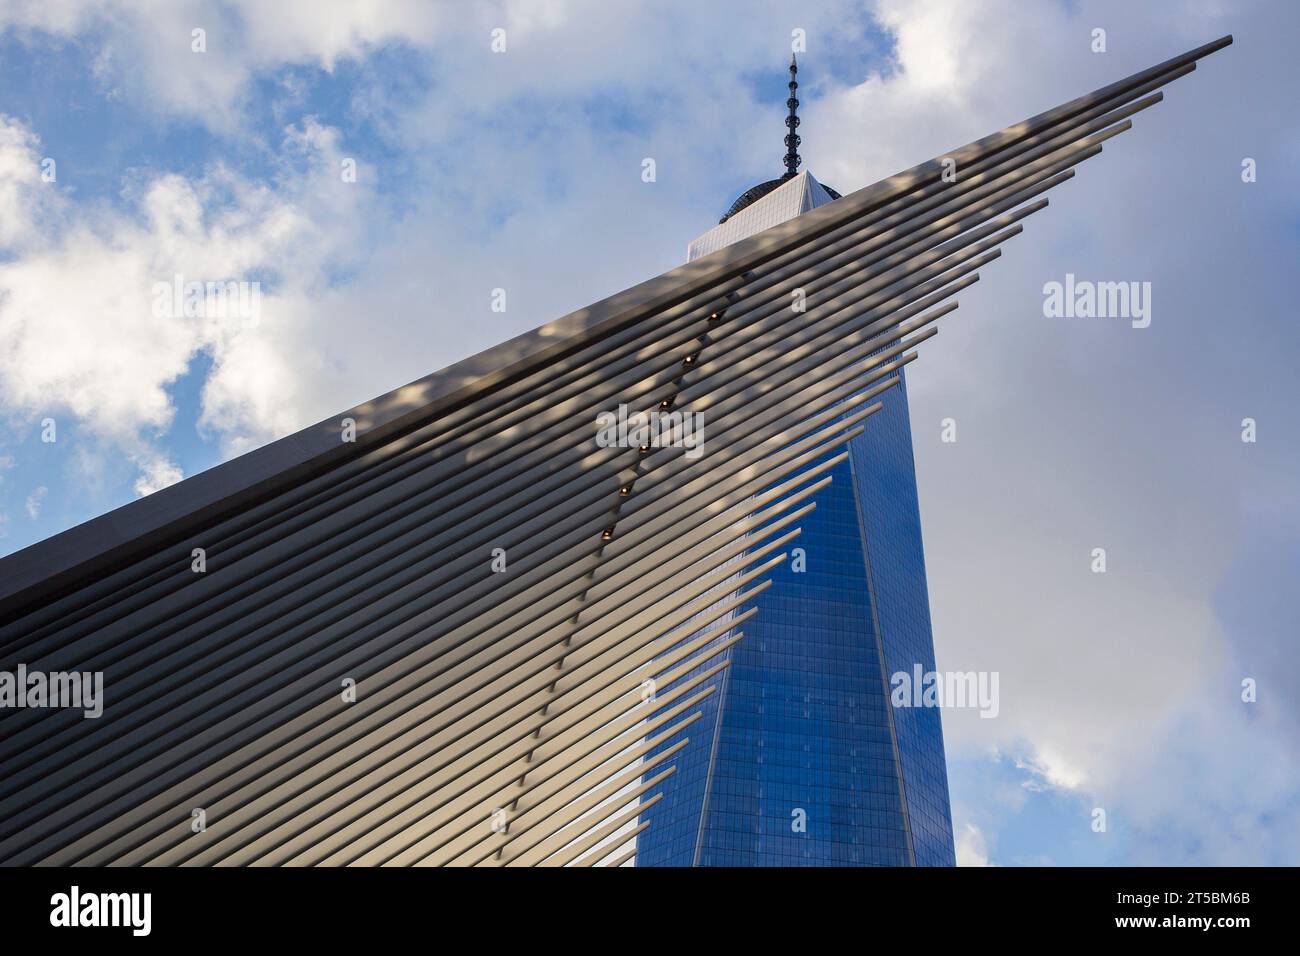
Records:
x=799, y=759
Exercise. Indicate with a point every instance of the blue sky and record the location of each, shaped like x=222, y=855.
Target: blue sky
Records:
x=521, y=170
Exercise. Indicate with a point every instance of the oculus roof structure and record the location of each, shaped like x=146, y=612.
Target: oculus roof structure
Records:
x=353, y=678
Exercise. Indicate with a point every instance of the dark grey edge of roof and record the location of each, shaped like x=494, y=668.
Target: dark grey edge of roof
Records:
x=56, y=563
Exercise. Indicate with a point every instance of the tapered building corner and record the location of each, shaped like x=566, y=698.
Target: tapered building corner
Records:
x=801, y=760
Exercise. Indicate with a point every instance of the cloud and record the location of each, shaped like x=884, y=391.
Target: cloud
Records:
x=972, y=848
x=81, y=331
x=34, y=500
x=148, y=50
x=22, y=194
x=1046, y=768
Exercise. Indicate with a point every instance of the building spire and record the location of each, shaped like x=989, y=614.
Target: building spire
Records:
x=792, y=122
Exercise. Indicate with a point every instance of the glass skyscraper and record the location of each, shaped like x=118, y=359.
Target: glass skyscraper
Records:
x=799, y=758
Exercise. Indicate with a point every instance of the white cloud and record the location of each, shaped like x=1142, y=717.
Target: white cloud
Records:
x=1048, y=769
x=146, y=49
x=972, y=847
x=156, y=473
x=34, y=501
x=22, y=193
x=78, y=326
